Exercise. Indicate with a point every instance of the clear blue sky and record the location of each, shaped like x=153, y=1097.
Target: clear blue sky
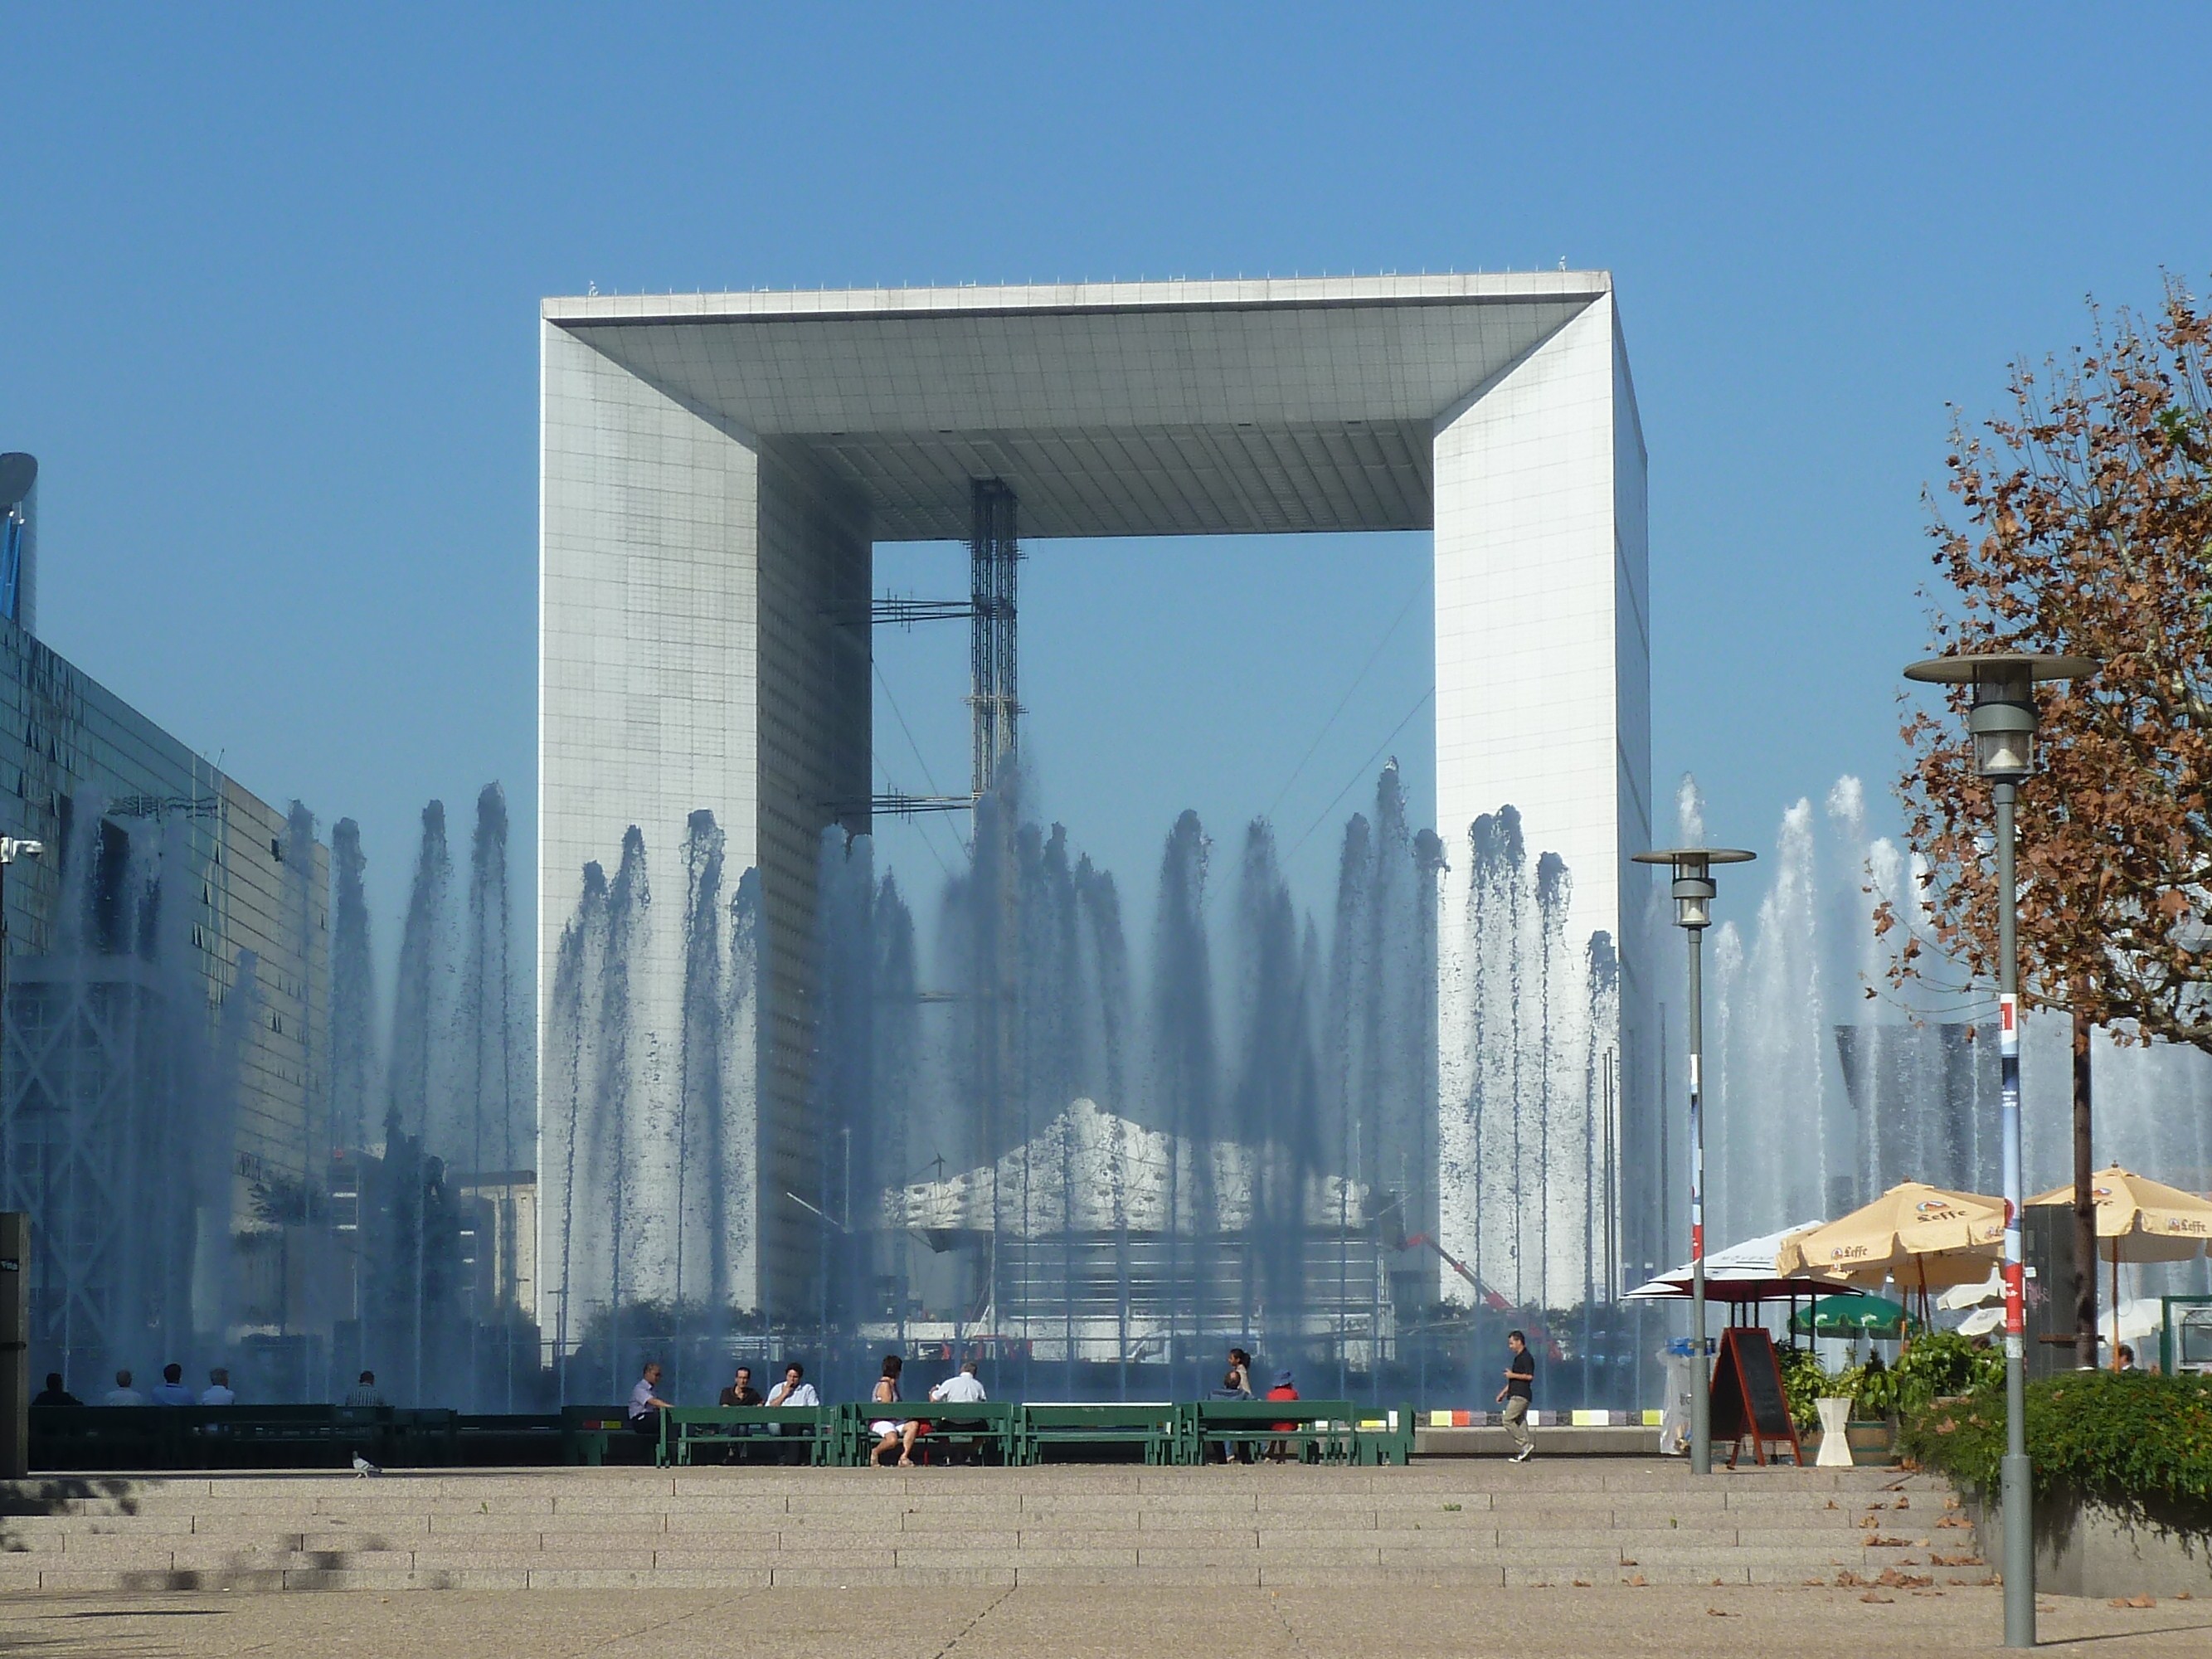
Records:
x=269, y=277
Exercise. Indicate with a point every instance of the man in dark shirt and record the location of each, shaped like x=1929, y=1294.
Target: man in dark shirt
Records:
x=1520, y=1384
x=741, y=1392
x=56, y=1395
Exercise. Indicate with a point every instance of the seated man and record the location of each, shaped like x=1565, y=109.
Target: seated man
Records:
x=364, y=1395
x=646, y=1404
x=218, y=1391
x=171, y=1390
x=123, y=1394
x=795, y=1391
x=960, y=1387
x=741, y=1392
x=54, y=1394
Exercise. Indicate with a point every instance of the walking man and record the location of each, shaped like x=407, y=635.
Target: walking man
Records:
x=1520, y=1384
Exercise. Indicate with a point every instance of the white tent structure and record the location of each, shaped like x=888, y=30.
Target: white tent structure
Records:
x=1090, y=1171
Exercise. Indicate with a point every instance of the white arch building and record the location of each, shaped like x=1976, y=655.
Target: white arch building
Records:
x=717, y=467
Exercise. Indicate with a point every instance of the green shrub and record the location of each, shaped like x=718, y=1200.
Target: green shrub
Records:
x=2126, y=1437
x=1803, y=1381
x=1940, y=1363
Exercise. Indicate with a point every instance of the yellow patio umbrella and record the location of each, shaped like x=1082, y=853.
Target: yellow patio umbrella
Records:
x=1924, y=1237
x=2139, y=1219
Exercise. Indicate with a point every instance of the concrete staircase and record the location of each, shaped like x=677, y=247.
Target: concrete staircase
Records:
x=1458, y=1522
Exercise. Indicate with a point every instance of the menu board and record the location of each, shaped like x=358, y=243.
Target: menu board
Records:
x=1747, y=1399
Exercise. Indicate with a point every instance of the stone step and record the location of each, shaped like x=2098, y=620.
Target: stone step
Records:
x=1461, y=1525
x=1455, y=1575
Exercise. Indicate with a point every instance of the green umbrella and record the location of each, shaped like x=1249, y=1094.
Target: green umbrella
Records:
x=1850, y=1315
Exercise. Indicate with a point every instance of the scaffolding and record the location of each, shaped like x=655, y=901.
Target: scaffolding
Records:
x=994, y=695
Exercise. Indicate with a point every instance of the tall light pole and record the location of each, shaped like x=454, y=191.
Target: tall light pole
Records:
x=1693, y=914
x=2001, y=719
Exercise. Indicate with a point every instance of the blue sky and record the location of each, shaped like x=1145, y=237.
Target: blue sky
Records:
x=270, y=277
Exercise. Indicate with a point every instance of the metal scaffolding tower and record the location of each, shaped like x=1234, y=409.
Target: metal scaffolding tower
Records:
x=993, y=701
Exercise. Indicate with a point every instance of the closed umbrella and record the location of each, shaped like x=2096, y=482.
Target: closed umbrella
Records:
x=2139, y=1219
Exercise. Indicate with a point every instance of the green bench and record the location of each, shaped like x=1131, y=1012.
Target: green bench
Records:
x=1157, y=1429
x=102, y=1438
x=980, y=1425
x=255, y=1436
x=807, y=1434
x=187, y=1437
x=505, y=1439
x=1376, y=1440
x=589, y=1433
x=1317, y=1431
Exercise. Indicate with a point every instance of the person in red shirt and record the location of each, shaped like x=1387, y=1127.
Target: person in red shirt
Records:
x=1285, y=1387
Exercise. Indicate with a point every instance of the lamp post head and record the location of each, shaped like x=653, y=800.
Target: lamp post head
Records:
x=11, y=848
x=1693, y=878
x=2003, y=716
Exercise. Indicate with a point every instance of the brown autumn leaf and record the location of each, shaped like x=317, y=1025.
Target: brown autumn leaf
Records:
x=2088, y=529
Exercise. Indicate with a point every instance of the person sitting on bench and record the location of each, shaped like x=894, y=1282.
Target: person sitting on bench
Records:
x=646, y=1404
x=1286, y=1387
x=56, y=1395
x=961, y=1388
x=793, y=1391
x=893, y=1435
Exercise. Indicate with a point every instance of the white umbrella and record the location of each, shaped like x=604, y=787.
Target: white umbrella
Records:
x=1989, y=1292
x=1982, y=1322
x=2139, y=1318
x=1742, y=1272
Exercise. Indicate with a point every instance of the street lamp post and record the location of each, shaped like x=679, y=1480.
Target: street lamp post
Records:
x=1693, y=914
x=2002, y=720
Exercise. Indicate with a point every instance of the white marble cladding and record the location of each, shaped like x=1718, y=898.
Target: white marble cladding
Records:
x=679, y=560
x=707, y=518
x=1542, y=705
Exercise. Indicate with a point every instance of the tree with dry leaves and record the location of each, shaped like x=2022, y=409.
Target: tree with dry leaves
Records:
x=2087, y=530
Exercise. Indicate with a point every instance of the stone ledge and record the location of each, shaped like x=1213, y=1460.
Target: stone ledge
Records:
x=2085, y=1545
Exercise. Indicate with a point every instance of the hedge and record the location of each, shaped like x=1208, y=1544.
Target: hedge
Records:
x=2127, y=1436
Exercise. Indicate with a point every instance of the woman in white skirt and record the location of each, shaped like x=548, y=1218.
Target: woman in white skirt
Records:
x=891, y=1435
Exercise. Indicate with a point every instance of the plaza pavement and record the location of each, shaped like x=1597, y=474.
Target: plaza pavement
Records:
x=1081, y=1623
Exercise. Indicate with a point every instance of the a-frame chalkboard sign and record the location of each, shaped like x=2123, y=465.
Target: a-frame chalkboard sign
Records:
x=1749, y=1403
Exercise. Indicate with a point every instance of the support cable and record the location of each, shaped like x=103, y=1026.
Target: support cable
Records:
x=928, y=777
x=1358, y=680
x=1366, y=766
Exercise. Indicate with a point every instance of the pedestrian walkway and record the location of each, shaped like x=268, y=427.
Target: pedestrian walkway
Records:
x=1073, y=1622
x=1459, y=1522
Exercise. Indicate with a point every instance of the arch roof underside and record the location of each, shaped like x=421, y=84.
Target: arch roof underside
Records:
x=1134, y=410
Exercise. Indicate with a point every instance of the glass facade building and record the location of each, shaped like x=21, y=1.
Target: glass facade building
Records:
x=161, y=1084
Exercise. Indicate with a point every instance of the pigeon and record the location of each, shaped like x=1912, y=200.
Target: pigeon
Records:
x=362, y=1467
